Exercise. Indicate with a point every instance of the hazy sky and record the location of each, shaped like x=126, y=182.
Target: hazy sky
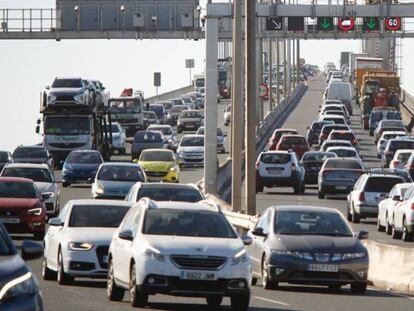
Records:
x=26, y=67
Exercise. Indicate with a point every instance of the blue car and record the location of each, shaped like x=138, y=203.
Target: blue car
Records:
x=81, y=167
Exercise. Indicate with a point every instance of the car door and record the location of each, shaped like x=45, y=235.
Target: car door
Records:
x=401, y=207
x=257, y=247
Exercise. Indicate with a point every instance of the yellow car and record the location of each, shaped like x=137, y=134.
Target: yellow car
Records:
x=160, y=165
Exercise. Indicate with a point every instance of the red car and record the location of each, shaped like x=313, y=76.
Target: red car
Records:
x=296, y=143
x=274, y=140
x=21, y=207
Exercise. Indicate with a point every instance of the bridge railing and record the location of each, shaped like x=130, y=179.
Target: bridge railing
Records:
x=28, y=20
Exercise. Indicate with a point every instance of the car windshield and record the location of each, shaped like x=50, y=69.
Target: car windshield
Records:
x=200, y=131
x=326, y=129
x=343, y=164
x=275, y=158
x=148, y=137
x=4, y=157
x=190, y=115
x=20, y=190
x=67, y=126
x=30, y=153
x=150, y=115
x=187, y=223
x=310, y=223
x=391, y=123
x=192, y=142
x=84, y=158
x=344, y=153
x=157, y=156
x=382, y=184
x=178, y=108
x=115, y=128
x=335, y=120
x=319, y=156
x=164, y=130
x=170, y=194
x=158, y=109
x=63, y=83
x=293, y=140
x=316, y=126
x=104, y=216
x=121, y=173
x=35, y=174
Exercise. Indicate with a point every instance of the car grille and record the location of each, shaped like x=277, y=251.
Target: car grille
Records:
x=49, y=206
x=199, y=263
x=132, y=120
x=66, y=145
x=198, y=286
x=156, y=174
x=10, y=213
x=193, y=160
x=64, y=97
x=321, y=275
x=102, y=251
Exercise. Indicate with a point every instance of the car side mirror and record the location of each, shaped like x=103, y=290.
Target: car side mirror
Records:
x=396, y=198
x=126, y=235
x=56, y=222
x=47, y=87
x=259, y=232
x=47, y=195
x=308, y=128
x=31, y=250
x=363, y=235
x=247, y=240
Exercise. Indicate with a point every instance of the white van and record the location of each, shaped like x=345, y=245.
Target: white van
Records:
x=340, y=91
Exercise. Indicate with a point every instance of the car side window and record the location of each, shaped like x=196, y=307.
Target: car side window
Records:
x=64, y=212
x=393, y=192
x=136, y=220
x=130, y=194
x=264, y=223
x=408, y=193
x=128, y=222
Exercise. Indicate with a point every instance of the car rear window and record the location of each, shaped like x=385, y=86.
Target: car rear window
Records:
x=344, y=153
x=382, y=184
x=172, y=194
x=320, y=156
x=391, y=123
x=343, y=164
x=279, y=134
x=343, y=136
x=396, y=145
x=335, y=120
x=293, y=140
x=328, y=128
x=148, y=137
x=275, y=158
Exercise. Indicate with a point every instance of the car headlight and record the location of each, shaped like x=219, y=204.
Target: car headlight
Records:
x=77, y=246
x=180, y=154
x=79, y=97
x=348, y=256
x=51, y=97
x=35, y=211
x=100, y=189
x=296, y=254
x=175, y=168
x=240, y=257
x=154, y=253
x=23, y=285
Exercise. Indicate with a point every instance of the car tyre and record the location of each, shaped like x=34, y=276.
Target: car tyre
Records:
x=240, y=302
x=355, y=217
x=335, y=287
x=62, y=277
x=406, y=236
x=321, y=195
x=113, y=292
x=65, y=184
x=380, y=227
x=302, y=188
x=296, y=189
x=371, y=133
x=359, y=288
x=137, y=298
x=266, y=282
x=395, y=234
x=254, y=281
x=214, y=302
x=388, y=227
x=47, y=274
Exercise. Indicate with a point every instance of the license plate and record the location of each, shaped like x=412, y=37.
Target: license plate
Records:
x=10, y=220
x=274, y=170
x=340, y=187
x=197, y=275
x=105, y=259
x=323, y=268
x=190, y=125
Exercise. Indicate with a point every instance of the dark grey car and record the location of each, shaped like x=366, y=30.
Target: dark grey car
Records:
x=307, y=245
x=145, y=140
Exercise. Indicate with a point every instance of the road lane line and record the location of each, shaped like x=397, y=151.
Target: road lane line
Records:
x=272, y=301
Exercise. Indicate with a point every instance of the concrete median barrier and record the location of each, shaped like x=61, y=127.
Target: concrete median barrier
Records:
x=170, y=95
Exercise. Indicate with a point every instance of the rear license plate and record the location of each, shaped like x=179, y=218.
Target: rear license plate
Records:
x=10, y=220
x=323, y=268
x=190, y=125
x=340, y=187
x=275, y=170
x=197, y=275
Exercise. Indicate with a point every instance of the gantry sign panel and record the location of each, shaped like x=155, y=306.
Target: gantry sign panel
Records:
x=127, y=15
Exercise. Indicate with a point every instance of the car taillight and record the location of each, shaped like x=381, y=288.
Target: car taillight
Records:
x=325, y=173
x=322, y=137
x=293, y=167
x=410, y=167
x=354, y=141
x=394, y=162
x=412, y=206
x=361, y=197
x=257, y=165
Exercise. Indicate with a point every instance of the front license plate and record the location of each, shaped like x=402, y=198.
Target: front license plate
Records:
x=323, y=268
x=340, y=187
x=197, y=275
x=10, y=220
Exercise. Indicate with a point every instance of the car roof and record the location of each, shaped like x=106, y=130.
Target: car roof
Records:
x=337, y=141
x=304, y=208
x=341, y=147
x=159, y=126
x=276, y=152
x=378, y=174
x=194, y=206
x=284, y=129
x=393, y=132
x=158, y=150
x=162, y=185
x=101, y=202
x=292, y=135
x=193, y=136
x=404, y=150
x=331, y=116
x=85, y=151
x=16, y=179
x=403, y=138
x=342, y=131
x=27, y=165
x=126, y=164
x=31, y=146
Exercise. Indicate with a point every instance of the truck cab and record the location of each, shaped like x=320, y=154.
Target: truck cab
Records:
x=128, y=111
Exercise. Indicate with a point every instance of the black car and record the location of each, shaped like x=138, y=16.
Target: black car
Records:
x=145, y=140
x=312, y=162
x=33, y=154
x=19, y=287
x=160, y=112
x=314, y=131
x=308, y=245
x=5, y=158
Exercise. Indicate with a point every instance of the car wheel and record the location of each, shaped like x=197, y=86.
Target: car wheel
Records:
x=359, y=288
x=395, y=234
x=259, y=187
x=214, y=302
x=406, y=236
x=388, y=227
x=371, y=133
x=302, y=188
x=47, y=274
x=380, y=227
x=113, y=292
x=297, y=189
x=266, y=282
x=240, y=302
x=254, y=281
x=335, y=287
x=136, y=297
x=62, y=277
x=124, y=151
x=65, y=184
x=355, y=218
x=348, y=214
x=321, y=195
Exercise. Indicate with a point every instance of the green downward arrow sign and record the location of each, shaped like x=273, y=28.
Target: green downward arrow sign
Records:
x=325, y=24
x=371, y=24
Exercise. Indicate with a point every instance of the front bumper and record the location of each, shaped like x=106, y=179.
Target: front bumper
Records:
x=75, y=178
x=91, y=264
x=32, y=224
x=162, y=176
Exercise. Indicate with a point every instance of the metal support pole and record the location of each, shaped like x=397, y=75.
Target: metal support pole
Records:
x=285, y=72
x=251, y=93
x=297, y=60
x=293, y=42
x=259, y=79
x=270, y=52
x=289, y=67
x=277, y=71
x=210, y=143
x=237, y=108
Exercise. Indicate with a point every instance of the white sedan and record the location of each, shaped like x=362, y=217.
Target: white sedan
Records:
x=387, y=207
x=118, y=138
x=167, y=247
x=403, y=226
x=77, y=242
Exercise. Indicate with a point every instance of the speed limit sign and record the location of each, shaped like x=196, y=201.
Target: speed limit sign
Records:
x=393, y=23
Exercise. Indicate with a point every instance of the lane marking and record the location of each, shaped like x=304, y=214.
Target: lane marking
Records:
x=272, y=301
x=388, y=291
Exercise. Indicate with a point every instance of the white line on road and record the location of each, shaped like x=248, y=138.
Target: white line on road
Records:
x=271, y=301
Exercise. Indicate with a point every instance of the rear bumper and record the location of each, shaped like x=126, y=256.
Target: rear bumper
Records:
x=364, y=210
x=291, y=181
x=335, y=189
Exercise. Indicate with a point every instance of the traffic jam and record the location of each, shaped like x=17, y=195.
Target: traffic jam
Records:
x=147, y=232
